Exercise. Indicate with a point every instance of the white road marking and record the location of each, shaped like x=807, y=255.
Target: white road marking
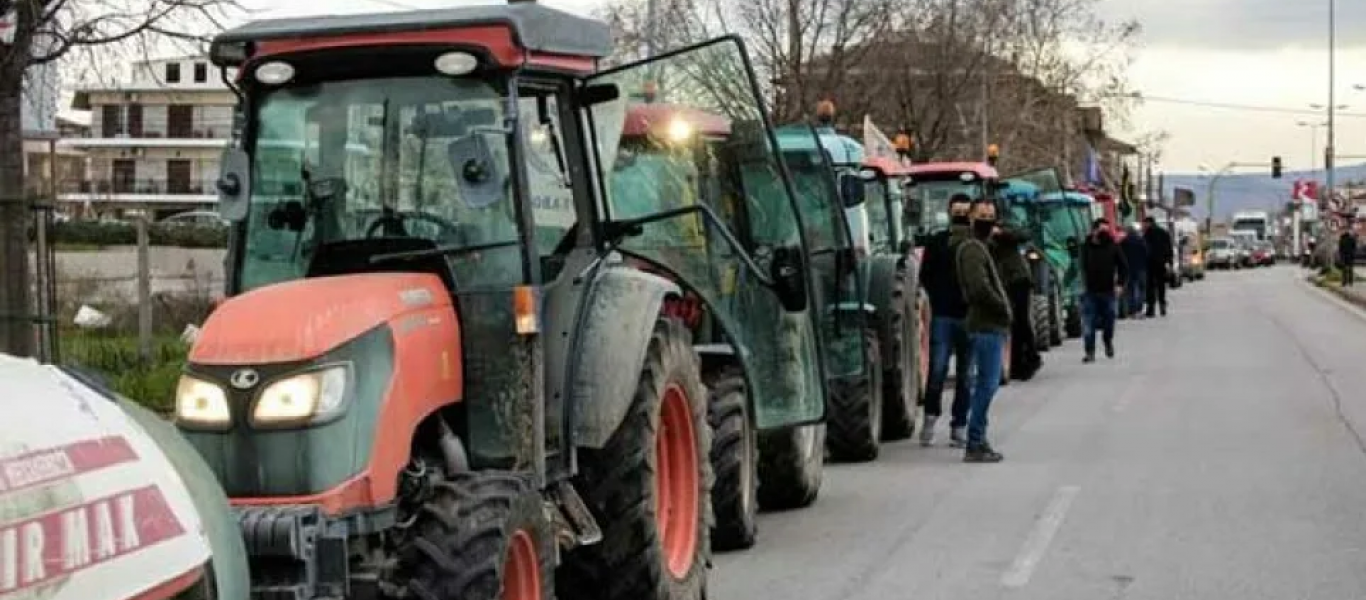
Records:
x=1040, y=538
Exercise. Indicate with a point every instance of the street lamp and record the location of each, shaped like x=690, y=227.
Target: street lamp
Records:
x=1209, y=192
x=1313, y=141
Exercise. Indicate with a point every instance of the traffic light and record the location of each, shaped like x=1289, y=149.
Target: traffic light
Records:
x=1275, y=167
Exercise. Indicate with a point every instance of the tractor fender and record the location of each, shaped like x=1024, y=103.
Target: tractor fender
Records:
x=884, y=272
x=609, y=349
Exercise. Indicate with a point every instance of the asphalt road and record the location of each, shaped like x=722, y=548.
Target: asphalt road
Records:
x=1217, y=457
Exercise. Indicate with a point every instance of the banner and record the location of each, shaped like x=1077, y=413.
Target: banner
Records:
x=875, y=143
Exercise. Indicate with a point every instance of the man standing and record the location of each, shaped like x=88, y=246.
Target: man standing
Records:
x=948, y=338
x=1160, y=257
x=988, y=322
x=1347, y=254
x=1104, y=273
x=1136, y=256
x=1019, y=284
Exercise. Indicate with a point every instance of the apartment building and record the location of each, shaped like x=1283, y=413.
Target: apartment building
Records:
x=155, y=141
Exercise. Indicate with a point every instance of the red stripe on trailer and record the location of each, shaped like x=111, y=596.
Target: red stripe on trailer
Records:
x=38, y=467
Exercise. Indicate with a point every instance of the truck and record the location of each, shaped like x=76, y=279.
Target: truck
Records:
x=452, y=361
x=1256, y=222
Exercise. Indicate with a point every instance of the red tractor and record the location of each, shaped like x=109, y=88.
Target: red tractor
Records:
x=442, y=370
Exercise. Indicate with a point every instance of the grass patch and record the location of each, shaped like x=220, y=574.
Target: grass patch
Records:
x=77, y=247
x=151, y=384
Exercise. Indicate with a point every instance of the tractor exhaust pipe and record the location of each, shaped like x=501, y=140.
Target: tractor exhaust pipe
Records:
x=451, y=449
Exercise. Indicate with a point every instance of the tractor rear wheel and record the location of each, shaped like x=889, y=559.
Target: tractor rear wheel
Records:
x=854, y=421
x=901, y=373
x=791, y=465
x=650, y=487
x=481, y=536
x=734, y=457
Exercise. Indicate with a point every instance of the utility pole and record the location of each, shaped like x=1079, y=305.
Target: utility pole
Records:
x=651, y=20
x=1332, y=94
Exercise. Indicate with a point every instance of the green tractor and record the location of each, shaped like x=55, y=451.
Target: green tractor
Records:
x=866, y=283
x=454, y=360
x=1066, y=217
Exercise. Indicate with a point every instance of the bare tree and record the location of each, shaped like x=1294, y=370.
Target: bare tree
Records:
x=47, y=31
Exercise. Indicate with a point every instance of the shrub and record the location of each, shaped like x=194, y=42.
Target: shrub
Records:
x=151, y=384
x=96, y=233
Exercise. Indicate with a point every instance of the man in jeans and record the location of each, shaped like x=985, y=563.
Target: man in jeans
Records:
x=1104, y=273
x=988, y=322
x=947, y=336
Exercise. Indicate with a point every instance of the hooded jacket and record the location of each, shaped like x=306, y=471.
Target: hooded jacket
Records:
x=988, y=304
x=940, y=277
x=1102, y=265
x=1136, y=251
x=1005, y=249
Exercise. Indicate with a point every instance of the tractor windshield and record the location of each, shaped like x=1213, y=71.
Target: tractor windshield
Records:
x=421, y=158
x=932, y=199
x=885, y=200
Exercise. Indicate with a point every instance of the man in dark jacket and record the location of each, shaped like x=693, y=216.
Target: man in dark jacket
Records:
x=1014, y=269
x=1347, y=255
x=1160, y=258
x=988, y=323
x=1104, y=273
x=1136, y=256
x=948, y=338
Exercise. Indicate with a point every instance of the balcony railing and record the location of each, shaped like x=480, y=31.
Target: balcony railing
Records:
x=151, y=187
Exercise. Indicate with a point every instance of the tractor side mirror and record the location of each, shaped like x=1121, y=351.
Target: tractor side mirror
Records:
x=234, y=185
x=599, y=93
x=789, y=278
x=852, y=191
x=478, y=175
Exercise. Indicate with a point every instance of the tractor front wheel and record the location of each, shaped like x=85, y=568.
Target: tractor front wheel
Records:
x=734, y=457
x=791, y=465
x=901, y=375
x=855, y=416
x=650, y=487
x=1055, y=317
x=1038, y=318
x=481, y=536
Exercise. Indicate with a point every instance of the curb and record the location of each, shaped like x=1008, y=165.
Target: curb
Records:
x=1356, y=303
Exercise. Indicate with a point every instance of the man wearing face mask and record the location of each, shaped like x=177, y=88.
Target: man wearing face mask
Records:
x=988, y=322
x=1104, y=272
x=1014, y=269
x=948, y=338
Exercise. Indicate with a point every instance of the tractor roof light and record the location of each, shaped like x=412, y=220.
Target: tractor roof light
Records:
x=994, y=151
x=456, y=64
x=275, y=73
x=825, y=111
x=680, y=131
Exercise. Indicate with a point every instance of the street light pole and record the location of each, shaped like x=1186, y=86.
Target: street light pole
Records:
x=1313, y=142
x=1332, y=93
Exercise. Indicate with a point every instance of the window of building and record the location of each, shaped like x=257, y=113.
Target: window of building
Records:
x=172, y=72
x=201, y=72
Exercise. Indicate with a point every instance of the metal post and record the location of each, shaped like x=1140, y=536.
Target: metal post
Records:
x=144, y=293
x=651, y=20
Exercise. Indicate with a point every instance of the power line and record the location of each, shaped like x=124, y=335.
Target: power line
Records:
x=1242, y=107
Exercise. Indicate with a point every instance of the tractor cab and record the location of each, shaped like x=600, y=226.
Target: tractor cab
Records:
x=933, y=184
x=886, y=181
x=444, y=322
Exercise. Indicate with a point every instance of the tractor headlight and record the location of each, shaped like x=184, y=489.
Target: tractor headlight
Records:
x=1033, y=255
x=302, y=397
x=199, y=402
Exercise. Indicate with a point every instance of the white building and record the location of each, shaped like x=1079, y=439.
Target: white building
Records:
x=154, y=141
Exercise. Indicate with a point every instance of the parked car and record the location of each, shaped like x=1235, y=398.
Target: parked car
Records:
x=1191, y=262
x=196, y=218
x=1222, y=254
x=1263, y=254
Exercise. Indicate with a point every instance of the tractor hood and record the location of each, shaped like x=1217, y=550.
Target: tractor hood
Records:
x=301, y=320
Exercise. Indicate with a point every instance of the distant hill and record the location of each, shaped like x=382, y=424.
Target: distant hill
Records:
x=1251, y=190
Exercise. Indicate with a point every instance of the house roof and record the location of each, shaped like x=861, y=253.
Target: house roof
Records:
x=534, y=27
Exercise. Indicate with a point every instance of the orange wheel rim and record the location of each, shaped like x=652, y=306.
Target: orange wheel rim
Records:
x=676, y=482
x=522, y=572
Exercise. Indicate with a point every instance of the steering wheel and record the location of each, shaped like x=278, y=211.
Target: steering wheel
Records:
x=449, y=230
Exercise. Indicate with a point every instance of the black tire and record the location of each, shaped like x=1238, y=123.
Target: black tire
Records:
x=791, y=467
x=1038, y=317
x=854, y=420
x=901, y=362
x=1055, y=317
x=463, y=533
x=1072, y=325
x=734, y=458
x=618, y=484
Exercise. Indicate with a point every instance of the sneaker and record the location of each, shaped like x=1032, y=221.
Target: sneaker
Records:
x=1109, y=349
x=1164, y=311
x=958, y=437
x=927, y=431
x=982, y=454
x=1089, y=358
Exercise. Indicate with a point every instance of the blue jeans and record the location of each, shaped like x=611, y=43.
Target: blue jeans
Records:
x=949, y=339
x=987, y=348
x=1135, y=292
x=1097, y=312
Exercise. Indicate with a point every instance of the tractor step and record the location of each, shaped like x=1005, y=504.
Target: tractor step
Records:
x=575, y=520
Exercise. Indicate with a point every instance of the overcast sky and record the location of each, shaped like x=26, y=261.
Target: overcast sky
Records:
x=1270, y=53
